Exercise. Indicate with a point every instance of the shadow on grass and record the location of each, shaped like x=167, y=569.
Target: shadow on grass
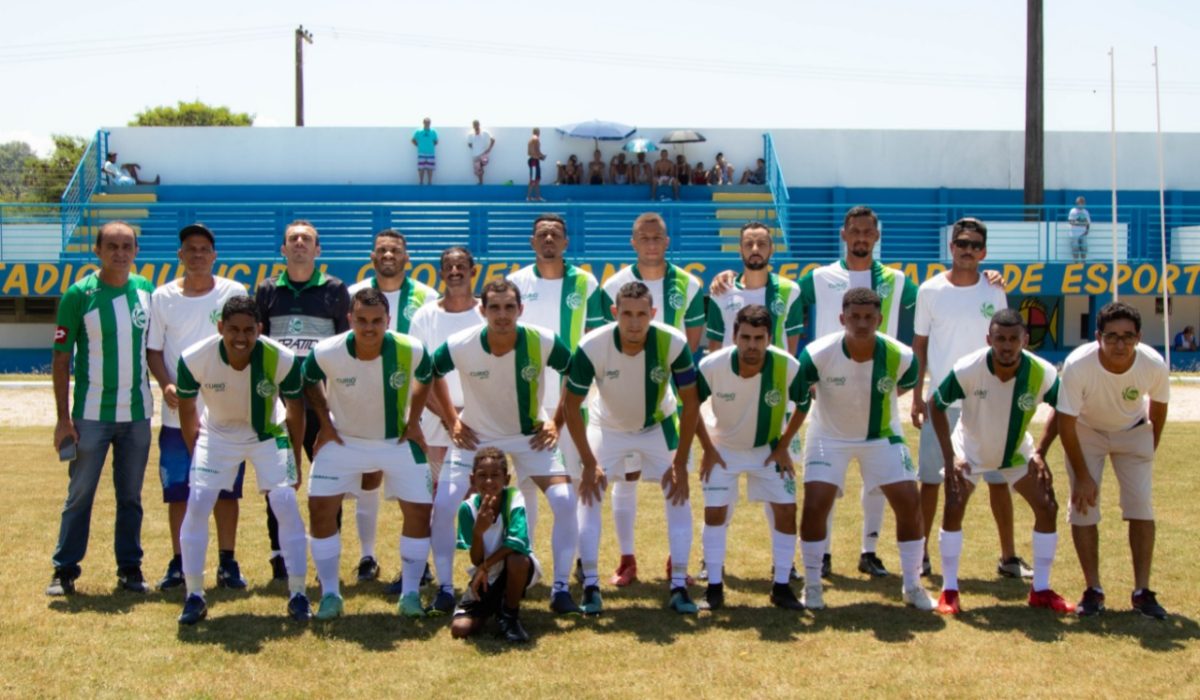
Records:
x=118, y=602
x=1171, y=634
x=240, y=633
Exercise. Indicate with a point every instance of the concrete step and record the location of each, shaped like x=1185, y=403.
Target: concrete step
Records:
x=131, y=198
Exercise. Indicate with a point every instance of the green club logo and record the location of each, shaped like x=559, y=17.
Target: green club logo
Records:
x=1131, y=393
x=428, y=482
x=884, y=290
x=409, y=311
x=1026, y=402
x=885, y=385
x=574, y=300
x=773, y=398
x=777, y=307
x=214, y=316
x=295, y=325
x=988, y=309
x=789, y=485
x=675, y=300
x=529, y=372
x=139, y=316
x=398, y=379
x=658, y=375
x=265, y=389
x=907, y=460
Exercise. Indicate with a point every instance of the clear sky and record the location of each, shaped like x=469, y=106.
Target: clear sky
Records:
x=72, y=66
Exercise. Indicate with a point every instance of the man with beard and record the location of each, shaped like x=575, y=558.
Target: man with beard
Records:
x=757, y=285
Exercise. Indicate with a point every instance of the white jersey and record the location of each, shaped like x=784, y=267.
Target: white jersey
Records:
x=780, y=295
x=680, y=306
x=1112, y=402
x=178, y=321
x=824, y=287
x=993, y=430
x=502, y=396
x=748, y=412
x=402, y=303
x=1080, y=221
x=633, y=391
x=240, y=406
x=369, y=398
x=856, y=400
x=432, y=325
x=956, y=320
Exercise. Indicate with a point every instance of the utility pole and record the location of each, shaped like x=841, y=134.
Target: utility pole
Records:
x=1035, y=185
x=301, y=36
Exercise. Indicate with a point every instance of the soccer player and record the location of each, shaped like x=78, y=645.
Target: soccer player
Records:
x=859, y=374
x=102, y=322
x=299, y=308
x=241, y=376
x=954, y=310
x=183, y=312
x=634, y=362
x=757, y=285
x=1113, y=403
x=491, y=527
x=503, y=366
x=999, y=388
x=375, y=384
x=748, y=387
x=679, y=298
x=389, y=258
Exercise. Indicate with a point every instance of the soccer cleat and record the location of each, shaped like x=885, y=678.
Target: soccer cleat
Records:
x=782, y=596
x=868, y=563
x=948, y=602
x=919, y=598
x=561, y=603
x=298, y=608
x=1050, y=600
x=926, y=568
x=687, y=578
x=1146, y=603
x=173, y=578
x=278, y=568
x=410, y=605
x=592, y=604
x=511, y=628
x=61, y=584
x=229, y=575
x=714, y=596
x=681, y=602
x=129, y=578
x=194, y=610
x=368, y=569
x=1091, y=604
x=814, y=595
x=626, y=572
x=443, y=604
x=827, y=565
x=396, y=587
x=1014, y=567
x=331, y=606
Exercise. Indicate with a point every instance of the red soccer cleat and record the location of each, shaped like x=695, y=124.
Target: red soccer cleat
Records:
x=1051, y=601
x=948, y=603
x=626, y=572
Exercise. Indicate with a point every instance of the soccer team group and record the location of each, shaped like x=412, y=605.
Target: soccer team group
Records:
x=462, y=409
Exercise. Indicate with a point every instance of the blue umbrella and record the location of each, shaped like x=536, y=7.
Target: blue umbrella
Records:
x=641, y=146
x=598, y=130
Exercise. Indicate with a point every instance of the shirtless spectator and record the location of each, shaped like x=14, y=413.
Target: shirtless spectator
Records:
x=619, y=172
x=757, y=176
x=699, y=174
x=664, y=174
x=721, y=173
x=126, y=174
x=597, y=169
x=481, y=143
x=683, y=171
x=569, y=173
x=642, y=170
x=534, y=148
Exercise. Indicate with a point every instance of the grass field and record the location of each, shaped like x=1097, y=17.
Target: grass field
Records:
x=102, y=643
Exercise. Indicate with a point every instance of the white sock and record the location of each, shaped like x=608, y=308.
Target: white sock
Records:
x=444, y=524
x=712, y=537
x=812, y=553
x=326, y=555
x=783, y=551
x=193, y=537
x=911, y=554
x=292, y=538
x=679, y=539
x=624, y=510
x=529, y=491
x=872, y=505
x=827, y=543
x=589, y=541
x=770, y=513
x=413, y=553
x=1044, y=546
x=367, y=519
x=564, y=537
x=950, y=544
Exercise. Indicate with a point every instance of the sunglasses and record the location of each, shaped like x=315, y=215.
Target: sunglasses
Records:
x=963, y=244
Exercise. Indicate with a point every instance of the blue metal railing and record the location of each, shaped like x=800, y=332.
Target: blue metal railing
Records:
x=83, y=184
x=776, y=184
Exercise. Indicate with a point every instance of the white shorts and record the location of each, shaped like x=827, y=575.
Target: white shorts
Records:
x=568, y=455
x=527, y=462
x=763, y=483
x=931, y=466
x=1008, y=475
x=436, y=434
x=215, y=462
x=338, y=469
x=1132, y=455
x=619, y=453
x=882, y=461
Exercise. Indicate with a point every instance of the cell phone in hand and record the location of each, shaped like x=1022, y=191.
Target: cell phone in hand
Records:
x=67, y=449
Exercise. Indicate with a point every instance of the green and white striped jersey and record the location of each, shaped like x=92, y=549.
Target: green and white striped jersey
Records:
x=824, y=287
x=509, y=530
x=403, y=302
x=240, y=405
x=749, y=412
x=992, y=432
x=856, y=400
x=106, y=328
x=369, y=398
x=678, y=296
x=781, y=296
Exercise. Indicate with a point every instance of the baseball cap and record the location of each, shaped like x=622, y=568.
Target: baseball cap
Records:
x=196, y=228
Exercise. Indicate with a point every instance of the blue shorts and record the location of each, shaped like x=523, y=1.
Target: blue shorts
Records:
x=174, y=464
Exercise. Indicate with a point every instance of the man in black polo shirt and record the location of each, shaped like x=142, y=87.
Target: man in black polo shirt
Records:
x=299, y=308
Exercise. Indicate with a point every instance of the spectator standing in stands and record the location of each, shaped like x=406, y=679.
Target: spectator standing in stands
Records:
x=1185, y=340
x=1081, y=223
x=425, y=140
x=664, y=174
x=597, y=169
x=534, y=149
x=480, y=142
x=757, y=176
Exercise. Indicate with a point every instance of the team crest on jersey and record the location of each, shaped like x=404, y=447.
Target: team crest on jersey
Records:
x=773, y=398
x=409, y=311
x=988, y=309
x=1131, y=393
x=1026, y=402
x=885, y=385
x=295, y=325
x=398, y=379
x=529, y=372
x=139, y=316
x=675, y=300
x=884, y=290
x=777, y=307
x=658, y=375
x=265, y=389
x=574, y=300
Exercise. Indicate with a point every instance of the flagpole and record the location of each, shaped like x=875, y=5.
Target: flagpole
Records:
x=1112, y=76
x=1162, y=218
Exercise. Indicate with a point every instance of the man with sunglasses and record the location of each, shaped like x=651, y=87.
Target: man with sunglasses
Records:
x=1113, y=404
x=952, y=317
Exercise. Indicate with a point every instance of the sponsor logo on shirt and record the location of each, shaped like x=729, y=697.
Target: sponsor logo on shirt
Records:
x=574, y=300
x=480, y=374
x=532, y=296
x=612, y=373
x=1026, y=402
x=60, y=334
x=726, y=395
x=214, y=386
x=675, y=300
x=734, y=304
x=347, y=381
x=265, y=389
x=398, y=379
x=139, y=316
x=658, y=375
x=839, y=285
x=836, y=381
x=772, y=398
x=988, y=309
x=530, y=372
x=980, y=393
x=1131, y=393
x=885, y=385
x=300, y=345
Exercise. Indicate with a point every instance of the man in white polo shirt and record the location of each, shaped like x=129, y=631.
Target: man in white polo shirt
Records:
x=368, y=388
x=241, y=376
x=1113, y=403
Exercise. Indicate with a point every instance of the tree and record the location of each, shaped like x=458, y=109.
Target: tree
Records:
x=47, y=177
x=191, y=114
x=12, y=170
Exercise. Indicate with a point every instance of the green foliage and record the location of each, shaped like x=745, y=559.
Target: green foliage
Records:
x=191, y=114
x=46, y=178
x=12, y=170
